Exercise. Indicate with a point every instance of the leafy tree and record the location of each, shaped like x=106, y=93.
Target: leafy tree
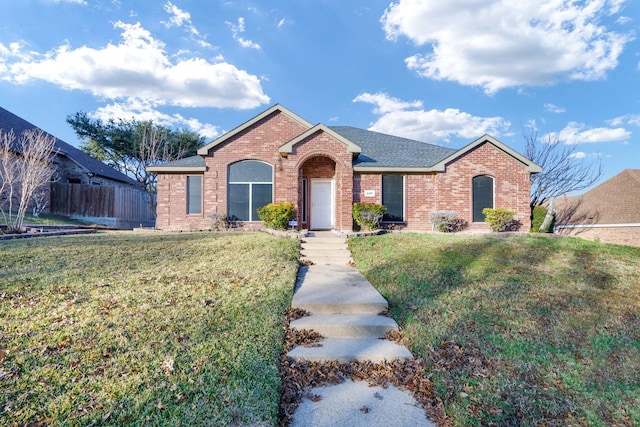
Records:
x=25, y=169
x=130, y=145
x=563, y=171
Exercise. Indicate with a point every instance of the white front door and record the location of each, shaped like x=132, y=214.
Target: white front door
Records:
x=322, y=203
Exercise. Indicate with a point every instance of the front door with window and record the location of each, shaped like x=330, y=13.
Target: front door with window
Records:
x=322, y=200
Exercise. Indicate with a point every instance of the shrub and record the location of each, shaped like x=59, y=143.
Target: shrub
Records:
x=218, y=221
x=539, y=213
x=368, y=215
x=277, y=215
x=447, y=221
x=501, y=219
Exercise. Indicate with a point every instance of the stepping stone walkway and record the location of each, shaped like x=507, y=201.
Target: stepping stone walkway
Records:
x=345, y=309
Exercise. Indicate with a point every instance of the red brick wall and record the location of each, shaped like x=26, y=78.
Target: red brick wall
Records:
x=511, y=184
x=321, y=156
x=452, y=190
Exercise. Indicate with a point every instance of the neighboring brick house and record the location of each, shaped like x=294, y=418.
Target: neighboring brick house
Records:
x=72, y=166
x=609, y=212
x=278, y=156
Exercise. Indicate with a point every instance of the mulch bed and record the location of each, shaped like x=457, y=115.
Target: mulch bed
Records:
x=299, y=376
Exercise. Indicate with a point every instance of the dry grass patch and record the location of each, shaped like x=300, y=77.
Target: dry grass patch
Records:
x=521, y=330
x=131, y=329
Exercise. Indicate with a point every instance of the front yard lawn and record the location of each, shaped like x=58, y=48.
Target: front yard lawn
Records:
x=143, y=329
x=520, y=330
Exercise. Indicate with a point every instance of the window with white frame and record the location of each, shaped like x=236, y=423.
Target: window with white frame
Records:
x=482, y=196
x=250, y=187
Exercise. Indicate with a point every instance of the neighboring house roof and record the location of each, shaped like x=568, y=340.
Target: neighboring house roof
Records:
x=9, y=121
x=188, y=164
x=615, y=201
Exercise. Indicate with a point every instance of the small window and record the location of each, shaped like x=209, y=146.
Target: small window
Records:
x=304, y=200
x=393, y=197
x=250, y=187
x=482, y=196
x=194, y=195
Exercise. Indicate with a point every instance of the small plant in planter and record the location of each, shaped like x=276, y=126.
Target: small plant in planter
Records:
x=277, y=215
x=501, y=219
x=368, y=215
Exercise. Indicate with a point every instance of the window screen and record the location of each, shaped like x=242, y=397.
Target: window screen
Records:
x=482, y=196
x=393, y=197
x=194, y=195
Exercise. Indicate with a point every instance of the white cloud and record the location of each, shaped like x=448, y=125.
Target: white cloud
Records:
x=552, y=108
x=82, y=2
x=138, y=67
x=180, y=18
x=238, y=29
x=579, y=133
x=631, y=119
x=281, y=23
x=410, y=120
x=144, y=111
x=496, y=44
x=578, y=155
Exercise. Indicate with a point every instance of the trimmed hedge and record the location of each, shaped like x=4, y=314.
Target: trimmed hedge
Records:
x=277, y=215
x=501, y=219
x=368, y=215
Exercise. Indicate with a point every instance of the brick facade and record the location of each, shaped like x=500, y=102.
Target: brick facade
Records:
x=323, y=155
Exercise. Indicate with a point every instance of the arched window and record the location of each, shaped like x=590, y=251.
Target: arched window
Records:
x=250, y=187
x=482, y=196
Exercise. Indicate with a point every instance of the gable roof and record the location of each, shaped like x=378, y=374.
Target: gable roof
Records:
x=531, y=167
x=382, y=152
x=9, y=121
x=615, y=201
x=351, y=147
x=203, y=151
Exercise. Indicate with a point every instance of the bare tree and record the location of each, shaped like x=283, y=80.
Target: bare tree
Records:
x=25, y=168
x=563, y=171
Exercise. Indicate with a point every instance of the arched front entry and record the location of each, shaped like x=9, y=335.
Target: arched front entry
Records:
x=318, y=201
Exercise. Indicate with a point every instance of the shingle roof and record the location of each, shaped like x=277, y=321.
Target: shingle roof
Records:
x=9, y=121
x=192, y=163
x=615, y=201
x=381, y=150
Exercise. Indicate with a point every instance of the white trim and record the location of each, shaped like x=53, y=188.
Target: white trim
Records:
x=312, y=223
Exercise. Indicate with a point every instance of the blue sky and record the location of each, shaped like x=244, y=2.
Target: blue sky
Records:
x=443, y=72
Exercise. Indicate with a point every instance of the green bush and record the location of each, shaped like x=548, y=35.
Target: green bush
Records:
x=368, y=215
x=501, y=219
x=539, y=213
x=277, y=215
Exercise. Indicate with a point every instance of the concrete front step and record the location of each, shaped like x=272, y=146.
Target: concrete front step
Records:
x=324, y=243
x=327, y=260
x=344, y=350
x=336, y=289
x=347, y=325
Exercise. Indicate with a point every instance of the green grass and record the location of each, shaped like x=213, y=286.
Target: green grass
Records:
x=521, y=330
x=143, y=329
x=44, y=219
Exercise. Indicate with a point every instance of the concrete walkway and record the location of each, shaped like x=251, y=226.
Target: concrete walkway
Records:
x=345, y=309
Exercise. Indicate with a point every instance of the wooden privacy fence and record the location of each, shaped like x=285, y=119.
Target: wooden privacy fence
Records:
x=101, y=201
